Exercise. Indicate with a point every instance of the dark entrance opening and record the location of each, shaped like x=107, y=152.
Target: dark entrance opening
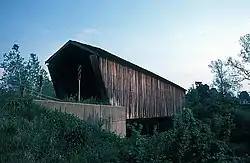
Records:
x=149, y=125
x=64, y=74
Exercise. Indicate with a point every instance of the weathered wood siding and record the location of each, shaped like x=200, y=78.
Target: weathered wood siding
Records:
x=142, y=95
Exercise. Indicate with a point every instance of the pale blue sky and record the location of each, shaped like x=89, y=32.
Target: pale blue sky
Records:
x=175, y=39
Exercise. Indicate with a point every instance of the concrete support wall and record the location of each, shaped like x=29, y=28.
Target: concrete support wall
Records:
x=114, y=117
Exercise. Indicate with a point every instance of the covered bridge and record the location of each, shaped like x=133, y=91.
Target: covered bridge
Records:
x=107, y=77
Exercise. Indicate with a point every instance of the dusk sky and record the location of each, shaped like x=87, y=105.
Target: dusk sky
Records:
x=174, y=39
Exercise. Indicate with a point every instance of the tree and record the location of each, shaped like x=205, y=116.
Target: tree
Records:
x=47, y=85
x=14, y=67
x=38, y=77
x=223, y=80
x=34, y=70
x=241, y=65
x=244, y=96
x=19, y=74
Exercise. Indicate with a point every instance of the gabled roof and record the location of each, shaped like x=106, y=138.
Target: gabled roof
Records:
x=105, y=54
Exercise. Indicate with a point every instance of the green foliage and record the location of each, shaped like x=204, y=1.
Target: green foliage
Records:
x=19, y=73
x=15, y=72
x=91, y=100
x=240, y=65
x=31, y=133
x=223, y=80
x=225, y=117
x=244, y=96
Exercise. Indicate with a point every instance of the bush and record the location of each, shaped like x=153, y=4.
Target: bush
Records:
x=31, y=133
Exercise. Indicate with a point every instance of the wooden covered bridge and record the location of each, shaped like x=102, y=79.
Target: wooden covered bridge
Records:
x=107, y=77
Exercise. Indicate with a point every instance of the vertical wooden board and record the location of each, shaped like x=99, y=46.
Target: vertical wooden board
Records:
x=124, y=89
x=168, y=102
x=103, y=70
x=129, y=93
x=165, y=98
x=161, y=109
x=162, y=100
x=155, y=98
x=136, y=93
x=158, y=98
x=115, y=83
x=127, y=90
x=155, y=94
x=174, y=100
x=167, y=94
x=107, y=78
x=101, y=67
x=139, y=95
x=178, y=100
x=150, y=96
x=122, y=85
x=106, y=72
x=143, y=95
x=170, y=98
x=175, y=109
x=110, y=80
x=113, y=79
x=146, y=95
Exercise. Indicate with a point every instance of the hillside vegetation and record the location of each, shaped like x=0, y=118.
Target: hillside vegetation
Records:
x=214, y=129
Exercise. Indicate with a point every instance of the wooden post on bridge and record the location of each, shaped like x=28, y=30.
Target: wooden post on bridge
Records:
x=79, y=75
